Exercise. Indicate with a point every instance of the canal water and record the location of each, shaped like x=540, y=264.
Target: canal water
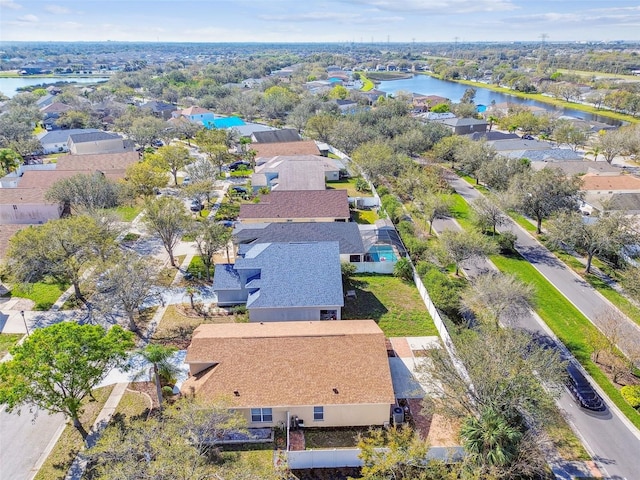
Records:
x=426, y=85
x=9, y=86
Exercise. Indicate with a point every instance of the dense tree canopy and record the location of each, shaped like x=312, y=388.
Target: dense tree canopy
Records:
x=56, y=367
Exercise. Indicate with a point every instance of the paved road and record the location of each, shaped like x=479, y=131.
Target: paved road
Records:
x=578, y=291
x=22, y=442
x=613, y=443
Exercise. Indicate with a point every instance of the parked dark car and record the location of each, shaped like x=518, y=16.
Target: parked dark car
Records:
x=237, y=190
x=226, y=223
x=196, y=205
x=527, y=137
x=582, y=391
x=239, y=164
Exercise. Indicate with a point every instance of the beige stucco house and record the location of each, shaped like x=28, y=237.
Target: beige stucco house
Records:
x=325, y=374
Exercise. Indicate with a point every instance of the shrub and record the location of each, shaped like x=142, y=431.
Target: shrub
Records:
x=631, y=393
x=444, y=292
x=361, y=185
x=382, y=191
x=392, y=206
x=406, y=229
x=403, y=269
x=507, y=242
x=167, y=391
x=416, y=247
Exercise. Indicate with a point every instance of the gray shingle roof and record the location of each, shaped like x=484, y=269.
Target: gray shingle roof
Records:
x=285, y=135
x=297, y=274
x=61, y=136
x=518, y=144
x=92, y=137
x=226, y=277
x=346, y=234
x=551, y=154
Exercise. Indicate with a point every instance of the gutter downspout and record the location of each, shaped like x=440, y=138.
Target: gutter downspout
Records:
x=288, y=426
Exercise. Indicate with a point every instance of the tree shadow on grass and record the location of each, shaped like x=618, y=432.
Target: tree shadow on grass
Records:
x=365, y=305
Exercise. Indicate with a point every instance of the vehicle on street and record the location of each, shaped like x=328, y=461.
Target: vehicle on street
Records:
x=527, y=137
x=186, y=181
x=582, y=391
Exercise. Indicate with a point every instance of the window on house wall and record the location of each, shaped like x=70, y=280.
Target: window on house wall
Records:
x=318, y=414
x=261, y=415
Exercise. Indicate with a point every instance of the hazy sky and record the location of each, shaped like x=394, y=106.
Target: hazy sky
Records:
x=318, y=20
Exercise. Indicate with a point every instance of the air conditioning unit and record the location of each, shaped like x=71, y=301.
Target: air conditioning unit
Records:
x=398, y=415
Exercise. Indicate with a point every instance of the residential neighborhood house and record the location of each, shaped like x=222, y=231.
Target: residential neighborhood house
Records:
x=322, y=374
x=283, y=281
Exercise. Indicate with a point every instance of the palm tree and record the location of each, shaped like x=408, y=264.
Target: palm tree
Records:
x=490, y=440
x=191, y=291
x=492, y=120
x=158, y=356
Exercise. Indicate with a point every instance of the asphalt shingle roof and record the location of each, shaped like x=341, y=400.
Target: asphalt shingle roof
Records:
x=298, y=204
x=304, y=147
x=61, y=136
x=347, y=234
x=93, y=137
x=296, y=274
x=274, y=364
x=284, y=135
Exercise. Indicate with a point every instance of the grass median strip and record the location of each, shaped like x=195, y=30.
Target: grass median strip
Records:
x=567, y=323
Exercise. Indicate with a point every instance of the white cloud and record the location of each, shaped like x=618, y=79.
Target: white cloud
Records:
x=439, y=7
x=313, y=17
x=28, y=19
x=57, y=9
x=10, y=4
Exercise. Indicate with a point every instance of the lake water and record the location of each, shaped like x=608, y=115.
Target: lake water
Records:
x=9, y=86
x=426, y=85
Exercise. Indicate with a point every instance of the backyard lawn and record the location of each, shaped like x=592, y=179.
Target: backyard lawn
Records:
x=395, y=305
x=364, y=217
x=349, y=184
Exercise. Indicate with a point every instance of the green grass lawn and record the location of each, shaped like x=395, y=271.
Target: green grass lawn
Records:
x=566, y=322
x=44, y=294
x=8, y=340
x=367, y=84
x=365, y=217
x=461, y=211
x=348, y=184
x=196, y=268
x=128, y=212
x=394, y=304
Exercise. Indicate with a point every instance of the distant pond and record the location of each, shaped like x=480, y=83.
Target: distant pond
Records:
x=10, y=86
x=426, y=85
